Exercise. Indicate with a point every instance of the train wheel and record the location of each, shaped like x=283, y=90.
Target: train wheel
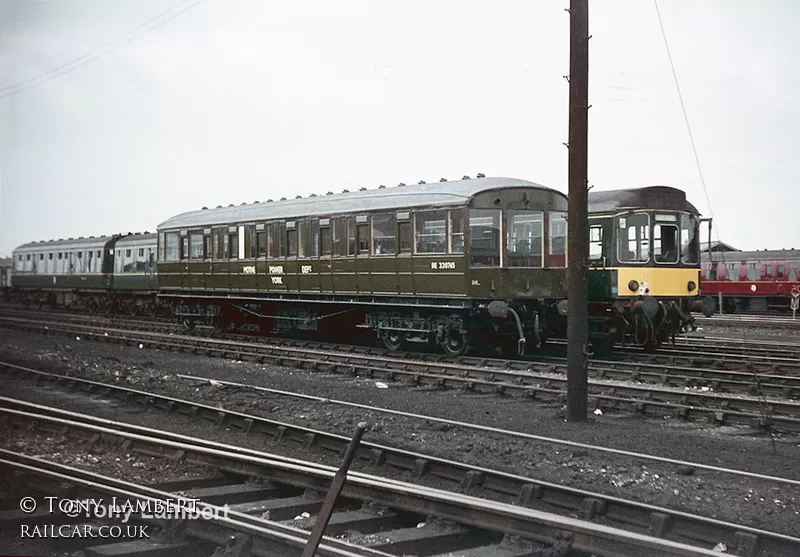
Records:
x=393, y=340
x=455, y=343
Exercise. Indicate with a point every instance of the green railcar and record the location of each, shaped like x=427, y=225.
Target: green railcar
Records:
x=468, y=262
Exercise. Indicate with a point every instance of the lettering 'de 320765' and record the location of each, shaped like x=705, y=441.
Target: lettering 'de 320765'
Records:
x=439, y=265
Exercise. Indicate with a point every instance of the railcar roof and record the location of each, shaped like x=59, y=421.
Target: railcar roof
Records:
x=390, y=198
x=97, y=242
x=659, y=198
x=143, y=239
x=765, y=255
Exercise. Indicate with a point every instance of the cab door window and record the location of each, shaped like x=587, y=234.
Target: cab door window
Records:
x=665, y=243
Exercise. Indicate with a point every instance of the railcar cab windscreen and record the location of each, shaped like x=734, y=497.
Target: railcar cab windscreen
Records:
x=438, y=264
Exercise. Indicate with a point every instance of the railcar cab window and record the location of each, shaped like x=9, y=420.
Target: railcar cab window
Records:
x=690, y=240
x=665, y=239
x=484, y=237
x=557, y=256
x=633, y=233
x=383, y=234
x=431, y=231
x=596, y=241
x=524, y=239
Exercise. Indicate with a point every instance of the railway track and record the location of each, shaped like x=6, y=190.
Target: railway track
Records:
x=481, y=376
x=753, y=356
x=392, y=517
x=541, y=497
x=751, y=320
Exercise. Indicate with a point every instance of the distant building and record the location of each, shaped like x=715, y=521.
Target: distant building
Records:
x=717, y=246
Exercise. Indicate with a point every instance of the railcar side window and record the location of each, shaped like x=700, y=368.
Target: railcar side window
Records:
x=184, y=247
x=524, y=238
x=484, y=237
x=351, y=235
x=690, y=246
x=431, y=233
x=753, y=271
x=781, y=270
x=339, y=245
x=195, y=245
x=665, y=243
x=732, y=271
x=208, y=247
x=233, y=245
x=325, y=240
x=404, y=236
x=633, y=233
x=557, y=257
x=596, y=242
x=314, y=238
x=457, y=231
x=383, y=234
x=172, y=243
x=768, y=271
x=792, y=271
x=304, y=240
x=261, y=242
x=291, y=240
x=362, y=237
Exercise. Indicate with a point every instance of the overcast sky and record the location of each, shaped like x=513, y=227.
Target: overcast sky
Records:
x=246, y=100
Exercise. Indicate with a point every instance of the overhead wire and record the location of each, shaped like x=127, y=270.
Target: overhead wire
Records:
x=146, y=27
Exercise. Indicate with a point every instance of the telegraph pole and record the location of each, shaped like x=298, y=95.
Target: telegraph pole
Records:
x=578, y=234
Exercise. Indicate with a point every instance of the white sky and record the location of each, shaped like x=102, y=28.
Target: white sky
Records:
x=246, y=100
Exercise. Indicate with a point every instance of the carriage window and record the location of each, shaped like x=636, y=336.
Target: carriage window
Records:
x=781, y=270
x=383, y=234
x=753, y=271
x=524, y=246
x=457, y=231
x=431, y=232
x=291, y=241
x=558, y=240
x=141, y=252
x=596, y=242
x=304, y=238
x=351, y=236
x=207, y=246
x=172, y=243
x=50, y=256
x=690, y=240
x=665, y=243
x=261, y=243
x=314, y=238
x=732, y=271
x=363, y=238
x=338, y=232
x=793, y=271
x=196, y=245
x=233, y=245
x=767, y=271
x=484, y=237
x=404, y=236
x=41, y=256
x=633, y=232
x=325, y=240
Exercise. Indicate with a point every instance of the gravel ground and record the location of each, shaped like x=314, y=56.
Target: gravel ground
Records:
x=751, y=502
